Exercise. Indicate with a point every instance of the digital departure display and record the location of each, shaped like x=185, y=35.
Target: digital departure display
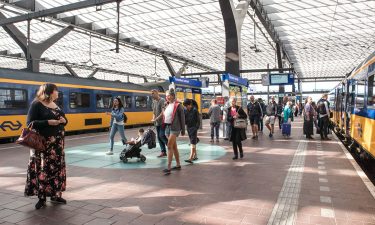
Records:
x=281, y=79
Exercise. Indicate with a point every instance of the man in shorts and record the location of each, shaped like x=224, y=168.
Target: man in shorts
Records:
x=271, y=113
x=254, y=111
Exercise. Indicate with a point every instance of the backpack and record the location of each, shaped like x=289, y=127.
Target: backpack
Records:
x=125, y=118
x=321, y=108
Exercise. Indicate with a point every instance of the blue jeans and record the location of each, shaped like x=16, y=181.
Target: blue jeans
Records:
x=215, y=128
x=163, y=141
x=114, y=129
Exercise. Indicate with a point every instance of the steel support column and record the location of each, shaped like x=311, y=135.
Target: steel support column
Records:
x=169, y=65
x=280, y=66
x=32, y=50
x=54, y=11
x=233, y=20
x=118, y=27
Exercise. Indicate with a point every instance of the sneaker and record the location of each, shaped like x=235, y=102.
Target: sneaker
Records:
x=123, y=142
x=58, y=200
x=212, y=141
x=270, y=135
x=235, y=157
x=241, y=156
x=217, y=140
x=328, y=139
x=162, y=155
x=109, y=153
x=40, y=204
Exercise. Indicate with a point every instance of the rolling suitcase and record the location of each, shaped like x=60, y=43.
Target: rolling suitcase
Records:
x=286, y=129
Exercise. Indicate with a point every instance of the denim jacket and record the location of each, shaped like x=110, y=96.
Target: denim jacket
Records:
x=117, y=114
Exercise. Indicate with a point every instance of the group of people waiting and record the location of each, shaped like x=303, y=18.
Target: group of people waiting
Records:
x=46, y=173
x=316, y=114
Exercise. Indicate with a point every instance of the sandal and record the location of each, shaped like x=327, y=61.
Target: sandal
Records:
x=176, y=168
x=167, y=171
x=189, y=161
x=195, y=158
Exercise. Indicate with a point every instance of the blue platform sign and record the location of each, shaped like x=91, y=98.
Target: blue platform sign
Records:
x=185, y=82
x=281, y=79
x=236, y=80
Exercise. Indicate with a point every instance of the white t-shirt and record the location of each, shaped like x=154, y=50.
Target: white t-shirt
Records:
x=168, y=113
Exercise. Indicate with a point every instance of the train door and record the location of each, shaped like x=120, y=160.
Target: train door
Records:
x=356, y=126
x=338, y=106
x=350, y=105
x=342, y=107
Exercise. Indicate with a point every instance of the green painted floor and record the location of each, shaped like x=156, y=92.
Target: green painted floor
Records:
x=93, y=156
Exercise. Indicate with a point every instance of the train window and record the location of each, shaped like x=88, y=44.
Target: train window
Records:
x=126, y=101
x=103, y=101
x=141, y=102
x=60, y=100
x=370, y=92
x=360, y=97
x=79, y=100
x=13, y=98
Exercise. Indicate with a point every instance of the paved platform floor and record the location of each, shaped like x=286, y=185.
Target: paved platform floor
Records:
x=279, y=181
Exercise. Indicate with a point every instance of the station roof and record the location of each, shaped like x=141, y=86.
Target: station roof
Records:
x=322, y=37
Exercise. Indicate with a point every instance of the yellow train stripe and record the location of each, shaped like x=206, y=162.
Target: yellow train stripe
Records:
x=4, y=80
x=76, y=122
x=362, y=68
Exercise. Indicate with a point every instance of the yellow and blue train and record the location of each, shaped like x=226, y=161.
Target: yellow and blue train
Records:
x=85, y=101
x=353, y=105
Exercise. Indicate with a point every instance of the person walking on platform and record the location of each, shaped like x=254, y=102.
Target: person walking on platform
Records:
x=192, y=124
x=237, y=135
x=117, y=123
x=157, y=117
x=214, y=113
x=46, y=173
x=280, y=109
x=308, y=124
x=174, y=122
x=263, y=107
x=254, y=112
x=323, y=112
x=271, y=112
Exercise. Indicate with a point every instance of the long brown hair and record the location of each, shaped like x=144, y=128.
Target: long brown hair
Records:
x=45, y=91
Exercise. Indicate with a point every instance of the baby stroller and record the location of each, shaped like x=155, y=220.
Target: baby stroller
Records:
x=131, y=151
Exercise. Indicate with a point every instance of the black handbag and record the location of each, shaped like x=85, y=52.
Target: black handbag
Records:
x=32, y=139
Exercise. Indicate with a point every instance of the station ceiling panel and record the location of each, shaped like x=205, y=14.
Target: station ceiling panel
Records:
x=322, y=37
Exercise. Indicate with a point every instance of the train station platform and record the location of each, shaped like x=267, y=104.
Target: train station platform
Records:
x=279, y=181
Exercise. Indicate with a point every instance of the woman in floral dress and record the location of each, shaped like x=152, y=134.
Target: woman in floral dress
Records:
x=46, y=173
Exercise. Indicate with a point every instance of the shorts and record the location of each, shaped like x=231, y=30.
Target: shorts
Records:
x=270, y=120
x=193, y=135
x=254, y=119
x=169, y=131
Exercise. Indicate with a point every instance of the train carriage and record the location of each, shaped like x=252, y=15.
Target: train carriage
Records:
x=85, y=101
x=354, y=108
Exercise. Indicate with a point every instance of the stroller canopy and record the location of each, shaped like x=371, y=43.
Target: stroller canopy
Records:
x=149, y=138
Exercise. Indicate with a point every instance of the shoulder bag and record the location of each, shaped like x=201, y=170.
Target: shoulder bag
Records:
x=32, y=139
x=240, y=123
